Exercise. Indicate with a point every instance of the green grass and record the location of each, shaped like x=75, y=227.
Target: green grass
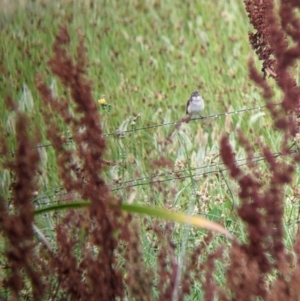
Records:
x=146, y=57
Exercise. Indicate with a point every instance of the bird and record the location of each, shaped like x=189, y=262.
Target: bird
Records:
x=195, y=104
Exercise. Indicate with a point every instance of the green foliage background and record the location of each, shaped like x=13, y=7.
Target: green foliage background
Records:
x=146, y=57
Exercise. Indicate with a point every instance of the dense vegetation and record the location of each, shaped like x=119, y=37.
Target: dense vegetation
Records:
x=94, y=96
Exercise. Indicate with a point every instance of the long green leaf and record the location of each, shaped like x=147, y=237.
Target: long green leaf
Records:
x=181, y=218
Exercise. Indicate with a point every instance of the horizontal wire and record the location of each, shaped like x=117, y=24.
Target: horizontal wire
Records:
x=261, y=158
x=118, y=132
x=175, y=122
x=149, y=181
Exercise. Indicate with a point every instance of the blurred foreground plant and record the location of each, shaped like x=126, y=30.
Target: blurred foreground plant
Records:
x=97, y=254
x=264, y=256
x=99, y=244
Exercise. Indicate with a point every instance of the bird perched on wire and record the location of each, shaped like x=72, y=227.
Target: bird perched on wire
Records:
x=195, y=104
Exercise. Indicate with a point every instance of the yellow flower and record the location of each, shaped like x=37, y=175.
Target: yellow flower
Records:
x=102, y=101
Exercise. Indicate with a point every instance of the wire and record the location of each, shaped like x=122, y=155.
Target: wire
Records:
x=123, y=132
x=154, y=179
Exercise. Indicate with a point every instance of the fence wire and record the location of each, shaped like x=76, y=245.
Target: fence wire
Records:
x=122, y=133
x=216, y=168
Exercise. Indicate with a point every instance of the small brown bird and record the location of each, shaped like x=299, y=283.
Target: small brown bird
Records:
x=195, y=104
